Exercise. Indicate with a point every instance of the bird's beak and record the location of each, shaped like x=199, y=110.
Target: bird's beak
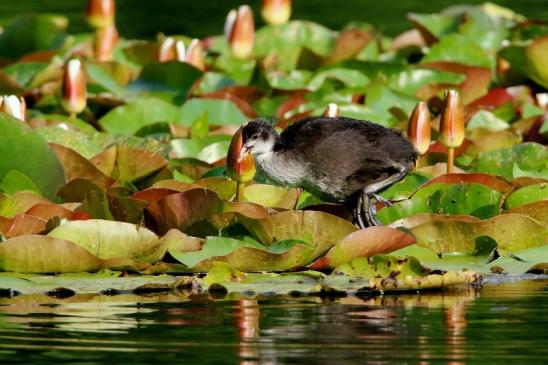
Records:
x=243, y=153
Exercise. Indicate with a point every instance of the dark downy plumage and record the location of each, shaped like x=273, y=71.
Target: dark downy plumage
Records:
x=338, y=159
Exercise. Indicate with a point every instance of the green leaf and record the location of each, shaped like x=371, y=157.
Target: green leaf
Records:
x=43, y=254
x=22, y=149
x=512, y=232
x=458, y=48
x=520, y=262
x=24, y=72
x=474, y=199
x=525, y=159
x=411, y=81
x=219, y=112
x=15, y=181
x=109, y=239
x=271, y=196
x=530, y=58
x=174, y=78
x=129, y=118
x=526, y=195
x=323, y=230
x=486, y=119
x=32, y=32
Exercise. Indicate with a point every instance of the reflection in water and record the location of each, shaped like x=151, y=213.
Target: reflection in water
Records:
x=449, y=327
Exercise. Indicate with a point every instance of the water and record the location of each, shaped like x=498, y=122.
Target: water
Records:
x=499, y=324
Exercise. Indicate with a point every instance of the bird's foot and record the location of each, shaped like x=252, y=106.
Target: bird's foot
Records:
x=364, y=214
x=382, y=200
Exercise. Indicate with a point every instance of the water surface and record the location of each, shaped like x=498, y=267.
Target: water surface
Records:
x=498, y=324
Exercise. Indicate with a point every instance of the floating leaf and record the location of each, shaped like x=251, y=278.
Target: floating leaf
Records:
x=18, y=203
x=43, y=254
x=469, y=198
x=143, y=111
x=527, y=194
x=365, y=243
x=511, y=232
x=219, y=112
x=537, y=210
x=183, y=210
x=174, y=77
x=15, y=181
x=21, y=224
x=271, y=196
x=108, y=239
x=520, y=262
x=323, y=230
x=24, y=150
x=248, y=255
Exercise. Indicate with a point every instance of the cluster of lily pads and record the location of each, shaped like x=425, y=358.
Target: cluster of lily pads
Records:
x=134, y=179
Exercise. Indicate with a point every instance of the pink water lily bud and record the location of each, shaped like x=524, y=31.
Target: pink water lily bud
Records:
x=166, y=51
x=74, y=92
x=332, y=111
x=14, y=106
x=105, y=42
x=240, y=31
x=239, y=168
x=195, y=54
x=276, y=12
x=419, y=128
x=101, y=13
x=452, y=120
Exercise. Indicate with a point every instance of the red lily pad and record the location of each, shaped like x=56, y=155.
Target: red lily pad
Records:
x=364, y=243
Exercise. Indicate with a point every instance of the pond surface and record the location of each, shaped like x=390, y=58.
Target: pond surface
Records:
x=499, y=324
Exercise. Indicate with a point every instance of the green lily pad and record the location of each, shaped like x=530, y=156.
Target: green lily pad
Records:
x=219, y=112
x=323, y=230
x=537, y=210
x=32, y=32
x=469, y=198
x=140, y=112
x=271, y=196
x=24, y=150
x=109, y=239
x=43, y=254
x=527, y=194
x=511, y=232
x=530, y=58
x=520, y=262
x=525, y=159
x=458, y=48
x=247, y=255
x=15, y=181
x=174, y=77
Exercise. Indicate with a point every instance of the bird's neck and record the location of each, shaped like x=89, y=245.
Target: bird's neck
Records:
x=281, y=169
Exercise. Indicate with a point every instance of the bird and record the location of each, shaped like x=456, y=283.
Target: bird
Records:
x=337, y=159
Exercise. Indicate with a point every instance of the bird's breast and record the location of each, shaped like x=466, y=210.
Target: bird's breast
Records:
x=281, y=169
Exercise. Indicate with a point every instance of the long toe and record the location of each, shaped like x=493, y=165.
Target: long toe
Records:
x=370, y=212
x=358, y=215
x=382, y=200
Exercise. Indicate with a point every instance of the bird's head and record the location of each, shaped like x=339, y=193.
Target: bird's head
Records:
x=258, y=137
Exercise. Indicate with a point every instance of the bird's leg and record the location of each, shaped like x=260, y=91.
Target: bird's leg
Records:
x=357, y=213
x=368, y=208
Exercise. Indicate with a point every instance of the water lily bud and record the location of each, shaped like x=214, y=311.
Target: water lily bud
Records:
x=276, y=11
x=240, y=170
x=100, y=13
x=14, y=106
x=332, y=111
x=240, y=31
x=452, y=120
x=166, y=52
x=195, y=54
x=180, y=51
x=74, y=92
x=105, y=41
x=419, y=128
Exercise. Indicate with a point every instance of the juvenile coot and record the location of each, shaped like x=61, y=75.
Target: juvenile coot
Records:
x=337, y=159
